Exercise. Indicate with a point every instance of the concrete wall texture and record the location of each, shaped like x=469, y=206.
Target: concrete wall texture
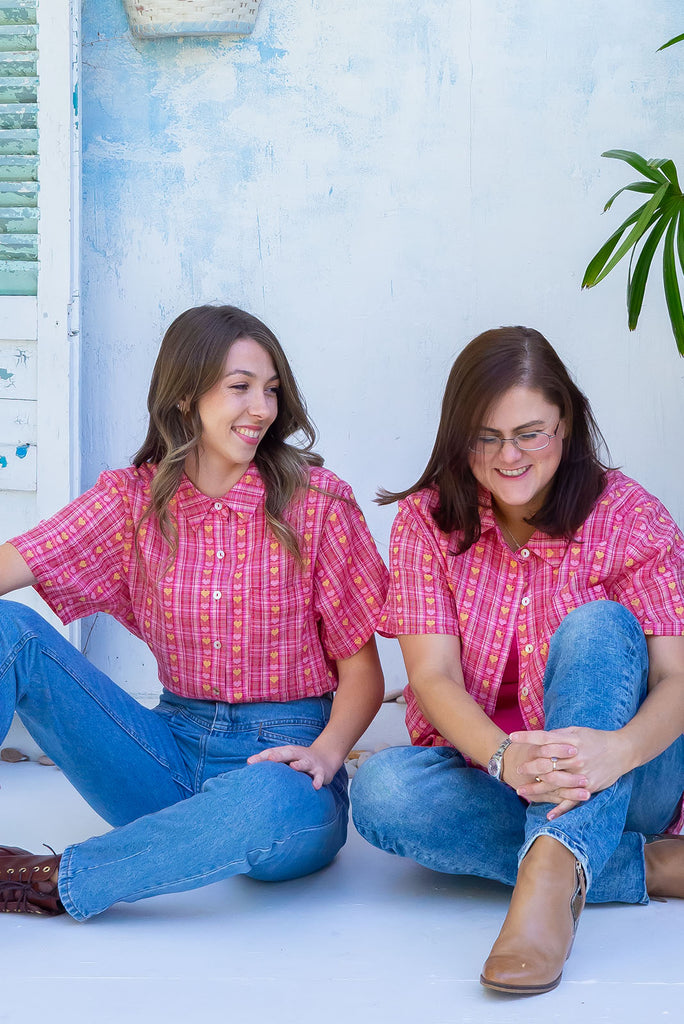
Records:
x=380, y=182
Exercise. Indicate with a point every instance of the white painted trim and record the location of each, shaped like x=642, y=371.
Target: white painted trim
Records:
x=57, y=385
x=58, y=448
x=18, y=316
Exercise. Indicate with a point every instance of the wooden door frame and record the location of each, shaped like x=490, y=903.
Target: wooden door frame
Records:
x=58, y=451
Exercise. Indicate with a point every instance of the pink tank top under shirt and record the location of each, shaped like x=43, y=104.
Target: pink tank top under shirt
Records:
x=507, y=713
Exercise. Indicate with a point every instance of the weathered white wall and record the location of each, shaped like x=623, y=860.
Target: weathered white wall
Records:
x=380, y=182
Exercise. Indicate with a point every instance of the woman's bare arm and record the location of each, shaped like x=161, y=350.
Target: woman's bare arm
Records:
x=433, y=664
x=14, y=572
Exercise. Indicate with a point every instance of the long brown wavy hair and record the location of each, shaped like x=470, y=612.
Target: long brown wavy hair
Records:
x=190, y=361
x=490, y=365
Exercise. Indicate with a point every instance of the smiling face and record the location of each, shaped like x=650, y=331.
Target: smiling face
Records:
x=519, y=481
x=235, y=413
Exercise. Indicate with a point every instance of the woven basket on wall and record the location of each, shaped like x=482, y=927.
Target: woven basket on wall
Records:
x=191, y=17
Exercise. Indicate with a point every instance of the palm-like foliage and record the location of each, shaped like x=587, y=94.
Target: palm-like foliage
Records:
x=661, y=215
x=671, y=42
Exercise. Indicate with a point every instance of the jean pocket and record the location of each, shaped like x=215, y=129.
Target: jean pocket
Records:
x=280, y=734
x=166, y=710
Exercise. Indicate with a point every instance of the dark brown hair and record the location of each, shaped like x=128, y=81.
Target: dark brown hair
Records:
x=190, y=361
x=489, y=366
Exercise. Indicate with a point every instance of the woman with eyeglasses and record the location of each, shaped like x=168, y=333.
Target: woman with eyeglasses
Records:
x=537, y=598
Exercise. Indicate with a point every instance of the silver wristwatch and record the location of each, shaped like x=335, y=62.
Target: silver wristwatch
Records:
x=495, y=765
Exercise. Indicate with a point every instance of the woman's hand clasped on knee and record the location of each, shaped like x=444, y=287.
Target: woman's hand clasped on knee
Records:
x=565, y=766
x=321, y=766
x=545, y=773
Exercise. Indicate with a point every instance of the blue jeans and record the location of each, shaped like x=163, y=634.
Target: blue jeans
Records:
x=428, y=804
x=174, y=781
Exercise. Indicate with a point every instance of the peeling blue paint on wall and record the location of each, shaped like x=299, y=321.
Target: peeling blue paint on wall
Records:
x=268, y=52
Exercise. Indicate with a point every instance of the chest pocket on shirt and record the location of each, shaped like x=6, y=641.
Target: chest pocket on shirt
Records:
x=277, y=587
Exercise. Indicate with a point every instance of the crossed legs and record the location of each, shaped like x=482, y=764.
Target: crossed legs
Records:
x=426, y=803
x=187, y=810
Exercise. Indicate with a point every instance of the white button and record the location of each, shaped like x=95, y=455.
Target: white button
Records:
x=524, y=691
x=524, y=553
x=525, y=601
x=528, y=648
x=217, y=644
x=218, y=505
x=220, y=554
x=217, y=595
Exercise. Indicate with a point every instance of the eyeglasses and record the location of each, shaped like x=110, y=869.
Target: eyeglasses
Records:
x=529, y=441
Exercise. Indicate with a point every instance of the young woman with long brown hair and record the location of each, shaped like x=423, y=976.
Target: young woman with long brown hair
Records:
x=537, y=598
x=249, y=571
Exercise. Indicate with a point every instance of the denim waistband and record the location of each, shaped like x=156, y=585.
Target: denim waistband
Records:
x=315, y=709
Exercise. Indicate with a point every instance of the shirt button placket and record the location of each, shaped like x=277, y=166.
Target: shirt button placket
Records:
x=521, y=566
x=236, y=680
x=207, y=615
x=218, y=599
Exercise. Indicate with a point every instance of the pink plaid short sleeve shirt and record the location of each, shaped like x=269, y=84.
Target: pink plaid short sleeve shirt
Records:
x=629, y=550
x=235, y=618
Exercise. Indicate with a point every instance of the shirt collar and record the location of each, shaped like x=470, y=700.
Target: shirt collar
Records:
x=243, y=498
x=551, y=549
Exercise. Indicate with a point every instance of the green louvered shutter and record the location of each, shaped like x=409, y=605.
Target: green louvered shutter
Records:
x=18, y=148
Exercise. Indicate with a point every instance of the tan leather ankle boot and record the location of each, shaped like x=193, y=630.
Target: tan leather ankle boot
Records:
x=537, y=935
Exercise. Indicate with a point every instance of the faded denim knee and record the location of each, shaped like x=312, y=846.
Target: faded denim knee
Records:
x=600, y=622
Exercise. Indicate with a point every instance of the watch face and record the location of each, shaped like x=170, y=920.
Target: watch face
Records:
x=495, y=765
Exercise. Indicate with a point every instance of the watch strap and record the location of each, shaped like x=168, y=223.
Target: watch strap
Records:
x=495, y=765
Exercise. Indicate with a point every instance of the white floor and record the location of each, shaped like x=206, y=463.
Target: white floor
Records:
x=372, y=938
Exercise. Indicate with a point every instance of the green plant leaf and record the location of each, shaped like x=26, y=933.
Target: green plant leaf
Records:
x=636, y=186
x=670, y=171
x=644, y=221
x=672, y=294
x=600, y=259
x=642, y=232
x=680, y=237
x=671, y=42
x=636, y=283
x=648, y=168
